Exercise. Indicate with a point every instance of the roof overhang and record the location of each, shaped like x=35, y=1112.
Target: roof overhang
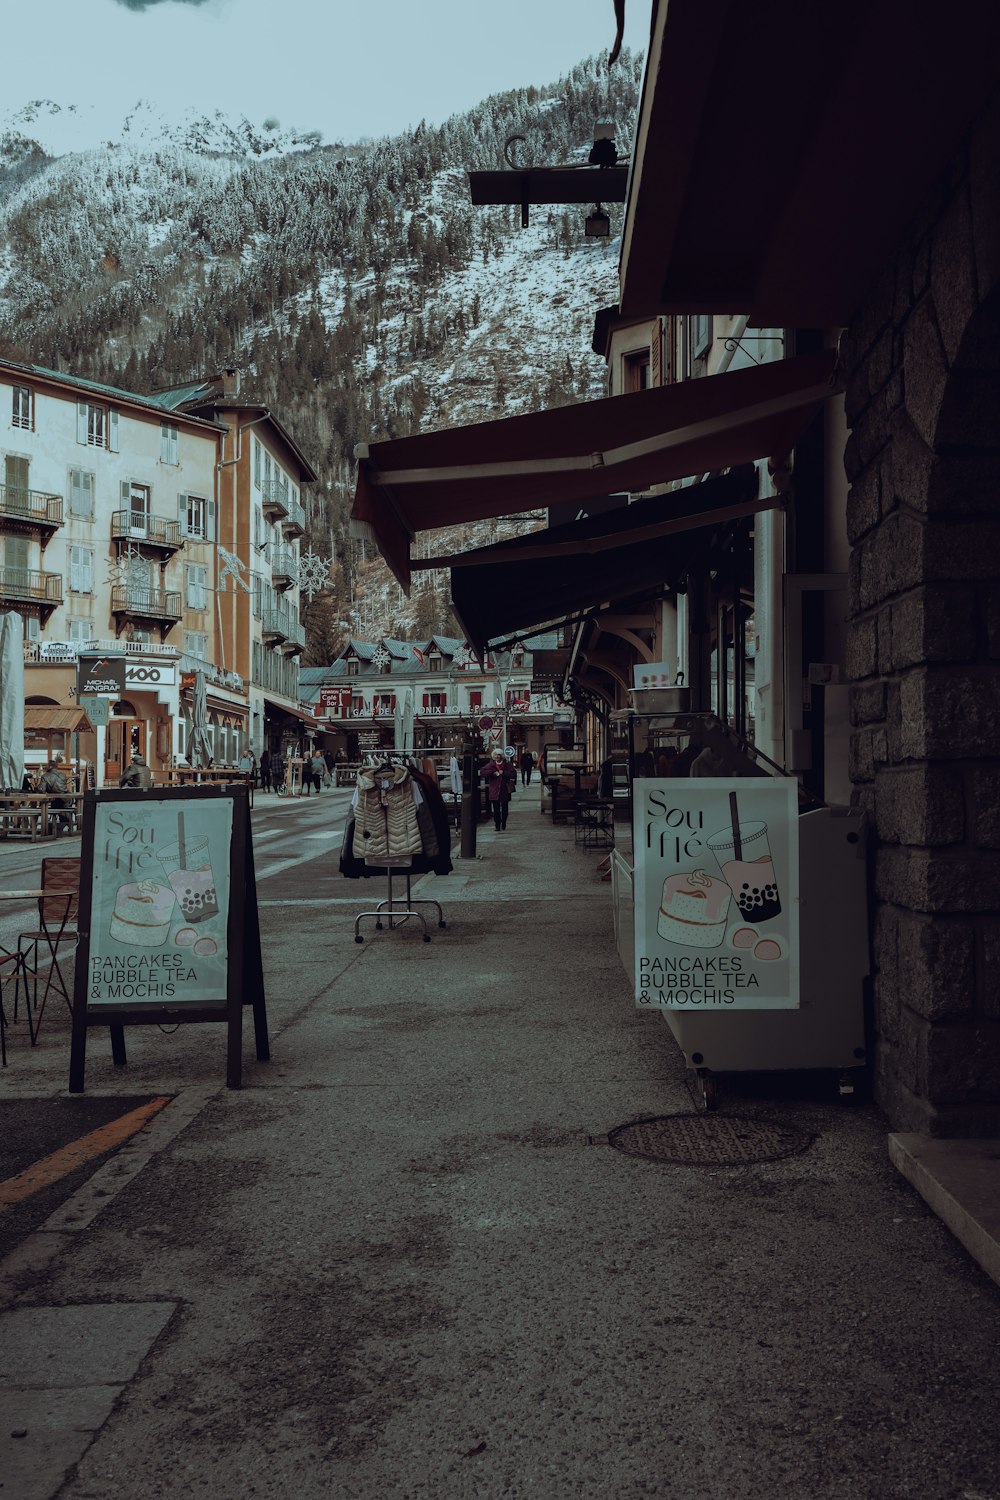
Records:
x=44, y=720
x=567, y=571
x=777, y=164
x=573, y=453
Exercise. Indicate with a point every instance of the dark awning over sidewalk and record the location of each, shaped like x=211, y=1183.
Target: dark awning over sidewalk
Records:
x=572, y=453
x=785, y=205
x=567, y=570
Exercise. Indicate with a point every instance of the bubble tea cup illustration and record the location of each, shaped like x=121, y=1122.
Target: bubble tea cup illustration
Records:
x=744, y=856
x=189, y=871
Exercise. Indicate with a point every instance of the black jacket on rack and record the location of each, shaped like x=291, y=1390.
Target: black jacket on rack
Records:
x=434, y=860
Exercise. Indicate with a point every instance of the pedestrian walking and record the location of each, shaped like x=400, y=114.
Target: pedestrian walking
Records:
x=527, y=766
x=265, y=771
x=316, y=771
x=501, y=779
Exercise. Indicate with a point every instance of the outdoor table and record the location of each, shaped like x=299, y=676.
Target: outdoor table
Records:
x=191, y=776
x=31, y=815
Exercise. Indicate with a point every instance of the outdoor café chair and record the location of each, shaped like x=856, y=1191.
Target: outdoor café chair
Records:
x=57, y=911
x=11, y=966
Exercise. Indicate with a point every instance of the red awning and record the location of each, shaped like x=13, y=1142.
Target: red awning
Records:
x=573, y=453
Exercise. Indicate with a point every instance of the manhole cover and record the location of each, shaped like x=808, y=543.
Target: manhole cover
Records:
x=708, y=1140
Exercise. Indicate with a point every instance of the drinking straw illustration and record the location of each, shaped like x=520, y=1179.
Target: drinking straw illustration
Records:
x=181, y=851
x=735, y=817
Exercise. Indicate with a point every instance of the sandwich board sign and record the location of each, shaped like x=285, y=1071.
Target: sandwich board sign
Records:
x=716, y=893
x=168, y=923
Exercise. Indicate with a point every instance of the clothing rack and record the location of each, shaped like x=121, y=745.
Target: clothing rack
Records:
x=399, y=910
x=395, y=910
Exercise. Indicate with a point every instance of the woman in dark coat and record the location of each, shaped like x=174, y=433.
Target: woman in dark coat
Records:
x=500, y=778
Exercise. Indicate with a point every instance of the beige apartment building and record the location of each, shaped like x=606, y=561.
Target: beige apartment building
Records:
x=150, y=526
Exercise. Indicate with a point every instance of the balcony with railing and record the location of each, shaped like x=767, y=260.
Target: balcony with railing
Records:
x=38, y=509
x=276, y=624
x=274, y=497
x=147, y=531
x=30, y=586
x=295, y=638
x=294, y=521
x=146, y=604
x=284, y=567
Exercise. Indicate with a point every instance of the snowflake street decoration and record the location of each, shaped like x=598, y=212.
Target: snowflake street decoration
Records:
x=313, y=573
x=463, y=657
x=233, y=568
x=129, y=570
x=381, y=657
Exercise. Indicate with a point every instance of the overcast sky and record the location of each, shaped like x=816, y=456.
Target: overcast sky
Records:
x=347, y=68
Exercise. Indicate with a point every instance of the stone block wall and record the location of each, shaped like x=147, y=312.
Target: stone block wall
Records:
x=922, y=361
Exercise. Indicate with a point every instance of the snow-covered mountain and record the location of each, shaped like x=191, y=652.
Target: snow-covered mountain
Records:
x=358, y=289
x=59, y=129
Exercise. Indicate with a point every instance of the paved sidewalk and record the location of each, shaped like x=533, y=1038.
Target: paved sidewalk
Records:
x=403, y=1261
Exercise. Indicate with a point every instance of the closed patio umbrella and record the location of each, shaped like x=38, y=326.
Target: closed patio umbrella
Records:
x=11, y=701
x=200, y=748
x=403, y=721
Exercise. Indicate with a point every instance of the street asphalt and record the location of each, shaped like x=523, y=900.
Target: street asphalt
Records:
x=403, y=1260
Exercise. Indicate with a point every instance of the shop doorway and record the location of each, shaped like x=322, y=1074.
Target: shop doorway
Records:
x=126, y=737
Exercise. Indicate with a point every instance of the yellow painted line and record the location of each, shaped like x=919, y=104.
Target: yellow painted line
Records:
x=42, y=1174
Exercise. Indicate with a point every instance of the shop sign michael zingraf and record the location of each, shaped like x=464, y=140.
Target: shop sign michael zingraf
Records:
x=160, y=906
x=716, y=893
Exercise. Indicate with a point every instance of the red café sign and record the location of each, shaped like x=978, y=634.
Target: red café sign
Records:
x=332, y=701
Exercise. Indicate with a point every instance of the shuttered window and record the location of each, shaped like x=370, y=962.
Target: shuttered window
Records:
x=81, y=493
x=91, y=425
x=81, y=630
x=15, y=553
x=81, y=569
x=168, y=443
x=197, y=517
x=196, y=585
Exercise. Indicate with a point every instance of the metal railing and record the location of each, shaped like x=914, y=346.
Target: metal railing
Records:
x=36, y=507
x=295, y=516
x=283, y=563
x=32, y=585
x=276, y=622
x=274, y=497
x=158, y=531
x=154, y=604
x=297, y=634
x=58, y=651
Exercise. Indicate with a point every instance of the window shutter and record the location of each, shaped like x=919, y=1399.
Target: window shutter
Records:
x=113, y=430
x=81, y=421
x=125, y=492
x=81, y=569
x=256, y=463
x=210, y=520
x=182, y=514
x=15, y=551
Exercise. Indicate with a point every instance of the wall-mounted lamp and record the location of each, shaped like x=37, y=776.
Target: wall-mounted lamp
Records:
x=598, y=225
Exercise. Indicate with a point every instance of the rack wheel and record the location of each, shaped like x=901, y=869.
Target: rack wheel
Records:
x=378, y=926
x=358, y=938
x=709, y=1091
x=442, y=924
x=427, y=937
